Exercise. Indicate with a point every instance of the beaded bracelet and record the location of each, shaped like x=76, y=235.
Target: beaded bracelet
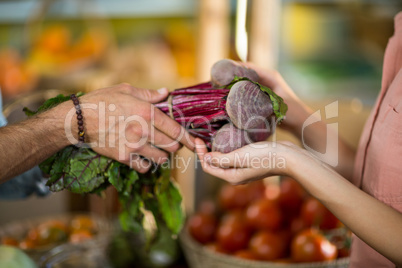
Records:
x=80, y=119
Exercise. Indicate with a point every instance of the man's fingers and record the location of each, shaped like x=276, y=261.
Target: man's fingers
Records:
x=153, y=154
x=173, y=129
x=152, y=96
x=138, y=163
x=164, y=142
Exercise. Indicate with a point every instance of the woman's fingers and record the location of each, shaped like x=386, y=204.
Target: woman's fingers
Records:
x=241, y=158
x=200, y=149
x=233, y=175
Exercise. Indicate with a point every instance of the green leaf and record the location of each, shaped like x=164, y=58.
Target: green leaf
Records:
x=115, y=177
x=50, y=103
x=279, y=106
x=127, y=223
x=28, y=112
x=86, y=171
x=80, y=170
x=130, y=178
x=169, y=201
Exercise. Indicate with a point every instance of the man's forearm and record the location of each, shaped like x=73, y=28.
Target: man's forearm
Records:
x=30, y=142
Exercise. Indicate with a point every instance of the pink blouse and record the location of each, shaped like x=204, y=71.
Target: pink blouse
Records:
x=378, y=167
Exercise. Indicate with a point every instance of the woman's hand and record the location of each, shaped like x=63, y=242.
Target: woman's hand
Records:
x=297, y=112
x=252, y=162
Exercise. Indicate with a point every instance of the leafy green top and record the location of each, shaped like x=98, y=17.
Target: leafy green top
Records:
x=279, y=106
x=82, y=170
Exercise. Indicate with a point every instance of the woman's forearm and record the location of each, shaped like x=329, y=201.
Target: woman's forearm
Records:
x=318, y=137
x=371, y=220
x=30, y=142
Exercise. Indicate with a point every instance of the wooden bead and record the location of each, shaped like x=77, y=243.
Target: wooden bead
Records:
x=80, y=119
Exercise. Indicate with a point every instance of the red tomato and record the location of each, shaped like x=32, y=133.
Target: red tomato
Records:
x=246, y=254
x=314, y=213
x=291, y=195
x=233, y=216
x=343, y=252
x=268, y=245
x=297, y=224
x=233, y=197
x=256, y=190
x=202, y=227
x=233, y=235
x=207, y=207
x=310, y=246
x=264, y=214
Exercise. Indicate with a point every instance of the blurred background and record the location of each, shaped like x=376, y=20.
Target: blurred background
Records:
x=326, y=50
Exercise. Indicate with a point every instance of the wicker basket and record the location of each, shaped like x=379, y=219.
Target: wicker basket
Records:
x=201, y=257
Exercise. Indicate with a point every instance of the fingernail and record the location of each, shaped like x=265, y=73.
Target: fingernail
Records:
x=162, y=90
x=207, y=158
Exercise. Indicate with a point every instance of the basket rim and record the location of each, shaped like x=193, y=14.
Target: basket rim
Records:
x=191, y=246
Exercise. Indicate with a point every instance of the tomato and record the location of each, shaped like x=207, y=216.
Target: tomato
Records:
x=207, y=207
x=233, y=197
x=246, y=254
x=314, y=213
x=233, y=235
x=291, y=195
x=310, y=246
x=234, y=216
x=10, y=241
x=297, y=224
x=268, y=245
x=264, y=214
x=202, y=227
x=80, y=235
x=343, y=252
x=256, y=190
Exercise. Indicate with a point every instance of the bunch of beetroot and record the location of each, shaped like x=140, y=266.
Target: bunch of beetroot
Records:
x=230, y=111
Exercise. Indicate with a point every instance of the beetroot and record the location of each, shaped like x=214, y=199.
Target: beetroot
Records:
x=237, y=112
x=224, y=71
x=247, y=105
x=230, y=138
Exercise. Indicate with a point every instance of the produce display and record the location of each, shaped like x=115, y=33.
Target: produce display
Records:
x=269, y=222
x=225, y=116
x=51, y=232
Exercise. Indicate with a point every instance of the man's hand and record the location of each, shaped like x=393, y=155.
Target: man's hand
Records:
x=122, y=123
